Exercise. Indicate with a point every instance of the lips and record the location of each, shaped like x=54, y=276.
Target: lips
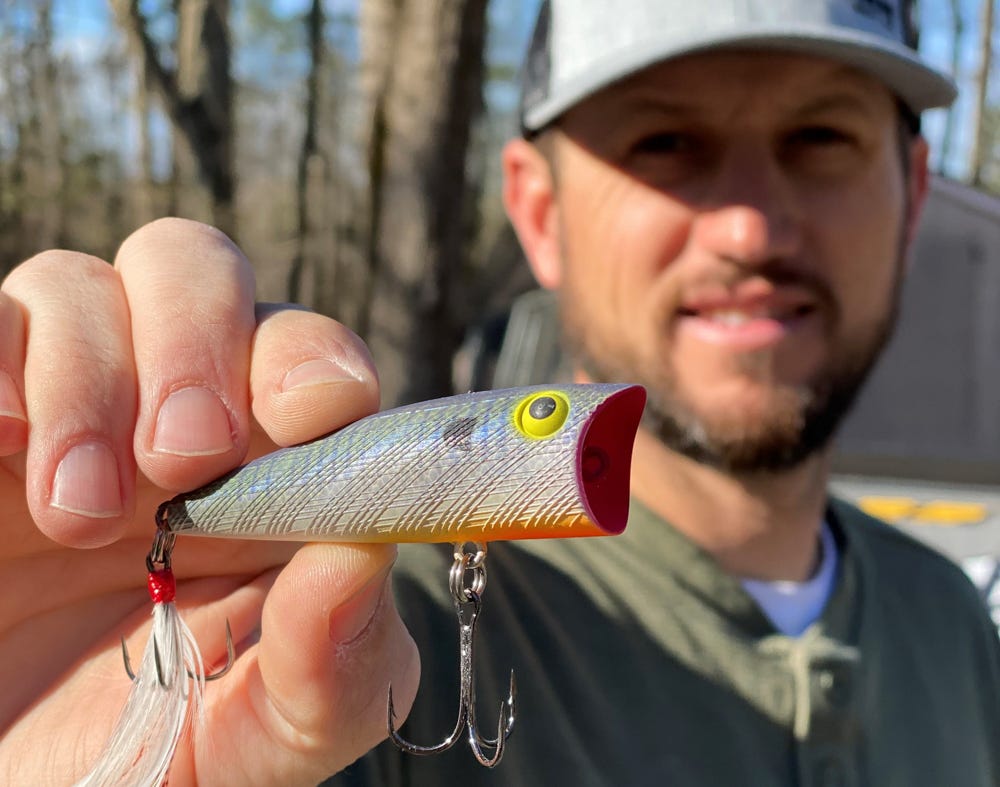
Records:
x=737, y=314
x=754, y=318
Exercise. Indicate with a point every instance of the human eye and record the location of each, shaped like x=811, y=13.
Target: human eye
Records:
x=820, y=136
x=665, y=157
x=823, y=148
x=661, y=143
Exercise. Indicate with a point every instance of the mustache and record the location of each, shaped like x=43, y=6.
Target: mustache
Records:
x=773, y=275
x=778, y=272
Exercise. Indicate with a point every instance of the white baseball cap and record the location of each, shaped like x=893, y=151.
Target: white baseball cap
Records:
x=582, y=46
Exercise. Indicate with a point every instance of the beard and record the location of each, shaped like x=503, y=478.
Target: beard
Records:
x=800, y=421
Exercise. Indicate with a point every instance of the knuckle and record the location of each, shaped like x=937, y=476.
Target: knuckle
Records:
x=176, y=235
x=311, y=333
x=190, y=264
x=50, y=269
x=172, y=227
x=266, y=310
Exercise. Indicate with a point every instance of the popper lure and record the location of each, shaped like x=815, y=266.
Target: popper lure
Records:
x=533, y=462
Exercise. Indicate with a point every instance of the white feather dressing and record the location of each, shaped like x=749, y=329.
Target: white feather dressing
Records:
x=155, y=715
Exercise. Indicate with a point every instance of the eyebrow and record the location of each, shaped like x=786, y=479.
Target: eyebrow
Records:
x=836, y=102
x=648, y=102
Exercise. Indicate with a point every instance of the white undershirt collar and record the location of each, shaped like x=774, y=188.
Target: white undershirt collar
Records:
x=793, y=606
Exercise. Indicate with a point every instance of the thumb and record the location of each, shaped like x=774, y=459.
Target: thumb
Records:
x=314, y=698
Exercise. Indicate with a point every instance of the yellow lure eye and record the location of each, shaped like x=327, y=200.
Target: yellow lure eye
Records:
x=542, y=414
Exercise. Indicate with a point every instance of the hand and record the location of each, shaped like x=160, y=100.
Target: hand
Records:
x=120, y=386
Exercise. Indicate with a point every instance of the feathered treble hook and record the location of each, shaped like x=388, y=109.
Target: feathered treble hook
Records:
x=468, y=602
x=230, y=659
x=161, y=588
x=144, y=738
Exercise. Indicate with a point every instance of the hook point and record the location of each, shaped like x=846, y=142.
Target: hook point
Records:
x=230, y=658
x=125, y=658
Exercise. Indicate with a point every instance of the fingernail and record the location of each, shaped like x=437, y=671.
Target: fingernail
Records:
x=86, y=482
x=10, y=399
x=318, y=371
x=351, y=619
x=193, y=422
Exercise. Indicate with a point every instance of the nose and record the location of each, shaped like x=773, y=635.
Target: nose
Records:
x=750, y=214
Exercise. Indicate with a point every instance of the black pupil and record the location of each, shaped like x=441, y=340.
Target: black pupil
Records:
x=542, y=407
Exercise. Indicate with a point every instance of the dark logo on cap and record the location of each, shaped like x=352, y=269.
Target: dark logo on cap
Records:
x=880, y=10
x=884, y=12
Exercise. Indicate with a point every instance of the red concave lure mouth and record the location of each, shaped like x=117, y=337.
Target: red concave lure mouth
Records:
x=604, y=461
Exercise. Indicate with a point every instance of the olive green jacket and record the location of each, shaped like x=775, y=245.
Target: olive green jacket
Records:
x=639, y=662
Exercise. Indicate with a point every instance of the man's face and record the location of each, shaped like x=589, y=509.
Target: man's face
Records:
x=732, y=230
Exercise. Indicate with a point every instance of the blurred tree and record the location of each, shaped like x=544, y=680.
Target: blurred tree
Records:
x=46, y=127
x=197, y=94
x=41, y=148
x=12, y=165
x=981, y=143
x=312, y=165
x=297, y=74
x=957, y=32
x=144, y=191
x=422, y=73
x=989, y=172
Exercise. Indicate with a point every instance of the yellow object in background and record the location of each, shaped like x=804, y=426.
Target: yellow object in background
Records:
x=932, y=512
x=889, y=509
x=947, y=512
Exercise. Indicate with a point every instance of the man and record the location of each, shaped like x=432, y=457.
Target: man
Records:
x=725, y=207
x=723, y=194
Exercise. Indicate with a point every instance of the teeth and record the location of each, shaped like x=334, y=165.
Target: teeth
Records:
x=732, y=317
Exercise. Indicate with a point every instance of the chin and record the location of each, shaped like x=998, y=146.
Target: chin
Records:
x=765, y=433
x=744, y=421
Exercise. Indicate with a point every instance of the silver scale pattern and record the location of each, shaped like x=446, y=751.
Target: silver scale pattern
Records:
x=449, y=469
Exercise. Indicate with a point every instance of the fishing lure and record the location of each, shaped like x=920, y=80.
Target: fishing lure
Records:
x=532, y=462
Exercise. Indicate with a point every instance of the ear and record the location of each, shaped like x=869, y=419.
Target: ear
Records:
x=529, y=197
x=917, y=185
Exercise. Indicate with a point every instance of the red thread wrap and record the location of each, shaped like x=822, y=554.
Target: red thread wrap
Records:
x=162, y=587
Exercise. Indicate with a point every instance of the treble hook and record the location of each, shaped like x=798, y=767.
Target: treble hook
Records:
x=160, y=554
x=468, y=602
x=230, y=659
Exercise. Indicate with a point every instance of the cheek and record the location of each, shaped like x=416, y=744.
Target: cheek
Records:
x=858, y=238
x=620, y=239
x=865, y=265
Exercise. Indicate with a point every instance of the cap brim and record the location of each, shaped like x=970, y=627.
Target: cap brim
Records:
x=918, y=85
